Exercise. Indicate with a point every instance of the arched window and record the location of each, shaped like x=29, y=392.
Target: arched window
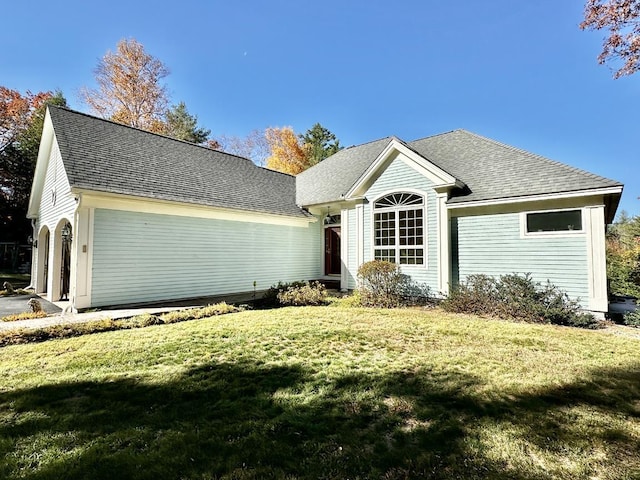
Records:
x=398, y=220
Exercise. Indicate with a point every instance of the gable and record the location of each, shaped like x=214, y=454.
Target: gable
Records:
x=398, y=175
x=396, y=152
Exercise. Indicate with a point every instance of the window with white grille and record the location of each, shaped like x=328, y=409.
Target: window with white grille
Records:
x=399, y=222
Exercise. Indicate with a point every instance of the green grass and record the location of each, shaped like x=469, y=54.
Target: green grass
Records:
x=323, y=392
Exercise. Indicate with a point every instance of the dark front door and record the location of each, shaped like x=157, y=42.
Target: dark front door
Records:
x=332, y=251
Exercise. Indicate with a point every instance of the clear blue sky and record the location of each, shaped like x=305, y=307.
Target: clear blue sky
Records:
x=521, y=72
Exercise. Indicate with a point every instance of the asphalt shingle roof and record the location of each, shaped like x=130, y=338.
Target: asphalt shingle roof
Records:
x=490, y=170
x=104, y=156
x=334, y=176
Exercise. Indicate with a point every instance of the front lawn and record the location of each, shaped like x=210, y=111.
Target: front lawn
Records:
x=324, y=392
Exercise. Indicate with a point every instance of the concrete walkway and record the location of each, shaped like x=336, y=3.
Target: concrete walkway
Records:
x=58, y=316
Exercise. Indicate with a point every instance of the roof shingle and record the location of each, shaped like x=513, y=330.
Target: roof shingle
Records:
x=491, y=170
x=104, y=156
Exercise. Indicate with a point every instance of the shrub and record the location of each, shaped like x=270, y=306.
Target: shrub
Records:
x=27, y=335
x=24, y=316
x=270, y=297
x=517, y=297
x=383, y=285
x=307, y=294
x=380, y=284
x=631, y=319
x=196, y=313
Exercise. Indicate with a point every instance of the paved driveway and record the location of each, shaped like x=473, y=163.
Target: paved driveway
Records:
x=18, y=304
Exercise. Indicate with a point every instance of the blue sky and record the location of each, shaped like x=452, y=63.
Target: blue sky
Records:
x=519, y=72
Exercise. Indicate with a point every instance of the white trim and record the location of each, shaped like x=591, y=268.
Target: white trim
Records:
x=596, y=258
x=443, y=244
x=524, y=234
x=413, y=159
x=535, y=198
x=39, y=176
x=112, y=201
x=344, y=250
x=359, y=235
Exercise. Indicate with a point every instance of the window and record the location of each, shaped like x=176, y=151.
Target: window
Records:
x=562, y=221
x=398, y=223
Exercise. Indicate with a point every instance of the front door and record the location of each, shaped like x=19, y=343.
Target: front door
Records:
x=332, y=264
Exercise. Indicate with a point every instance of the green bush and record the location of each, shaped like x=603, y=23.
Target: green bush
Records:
x=631, y=319
x=517, y=297
x=382, y=285
x=306, y=294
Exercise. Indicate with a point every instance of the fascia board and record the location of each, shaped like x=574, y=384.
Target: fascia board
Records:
x=535, y=198
x=44, y=154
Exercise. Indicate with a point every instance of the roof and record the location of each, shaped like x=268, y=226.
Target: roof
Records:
x=489, y=169
x=104, y=156
x=330, y=179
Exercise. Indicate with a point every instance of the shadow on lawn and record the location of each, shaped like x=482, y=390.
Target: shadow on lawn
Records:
x=253, y=421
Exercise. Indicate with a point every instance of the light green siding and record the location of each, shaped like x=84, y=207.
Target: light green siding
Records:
x=492, y=245
x=397, y=177
x=141, y=257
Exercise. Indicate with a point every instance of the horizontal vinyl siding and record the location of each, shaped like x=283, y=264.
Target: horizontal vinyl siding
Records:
x=141, y=257
x=492, y=245
x=398, y=176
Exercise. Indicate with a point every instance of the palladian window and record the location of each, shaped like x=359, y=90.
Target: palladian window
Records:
x=399, y=228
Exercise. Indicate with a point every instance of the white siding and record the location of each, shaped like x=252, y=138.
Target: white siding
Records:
x=352, y=266
x=398, y=176
x=56, y=181
x=140, y=257
x=492, y=244
x=56, y=203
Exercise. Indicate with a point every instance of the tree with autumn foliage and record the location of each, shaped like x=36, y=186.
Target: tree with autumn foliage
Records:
x=21, y=122
x=623, y=256
x=622, y=19
x=288, y=153
x=129, y=87
x=130, y=92
x=291, y=153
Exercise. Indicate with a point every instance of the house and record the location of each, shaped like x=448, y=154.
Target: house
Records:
x=126, y=216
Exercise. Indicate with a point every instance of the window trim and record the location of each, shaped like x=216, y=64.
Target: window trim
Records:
x=559, y=234
x=397, y=248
